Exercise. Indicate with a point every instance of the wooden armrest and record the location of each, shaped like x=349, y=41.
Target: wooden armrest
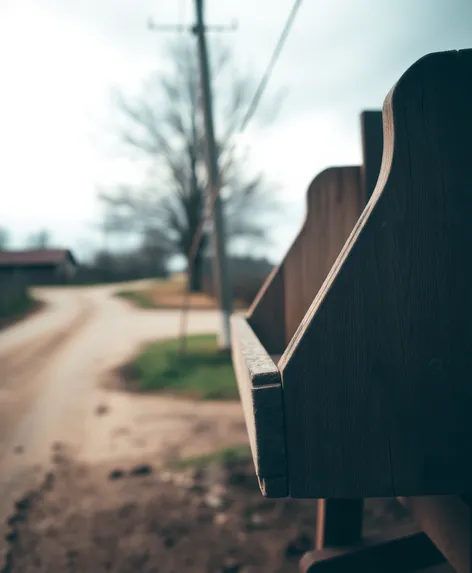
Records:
x=260, y=388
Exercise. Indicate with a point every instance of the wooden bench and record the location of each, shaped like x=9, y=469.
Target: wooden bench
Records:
x=335, y=200
x=354, y=361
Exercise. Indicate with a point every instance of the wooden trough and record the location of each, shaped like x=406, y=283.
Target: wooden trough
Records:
x=354, y=362
x=335, y=201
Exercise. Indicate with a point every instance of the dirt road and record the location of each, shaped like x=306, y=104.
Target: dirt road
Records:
x=106, y=503
x=53, y=373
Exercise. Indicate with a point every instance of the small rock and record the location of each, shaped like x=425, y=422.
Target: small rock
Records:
x=214, y=501
x=48, y=481
x=101, y=409
x=166, y=477
x=24, y=503
x=126, y=510
x=46, y=526
x=72, y=555
x=15, y=518
x=220, y=519
x=184, y=480
x=255, y=521
x=19, y=449
x=116, y=474
x=231, y=566
x=12, y=536
x=141, y=470
x=8, y=562
x=298, y=547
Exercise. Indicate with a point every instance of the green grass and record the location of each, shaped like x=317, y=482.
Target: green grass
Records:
x=225, y=456
x=202, y=372
x=18, y=308
x=139, y=298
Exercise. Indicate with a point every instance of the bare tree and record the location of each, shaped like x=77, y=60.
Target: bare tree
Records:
x=165, y=126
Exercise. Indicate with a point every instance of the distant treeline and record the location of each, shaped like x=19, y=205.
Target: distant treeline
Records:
x=247, y=275
x=110, y=267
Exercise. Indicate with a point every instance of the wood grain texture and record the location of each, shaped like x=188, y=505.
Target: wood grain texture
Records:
x=335, y=199
x=260, y=390
x=376, y=380
x=266, y=315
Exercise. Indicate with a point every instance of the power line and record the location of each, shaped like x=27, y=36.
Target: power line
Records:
x=268, y=72
x=247, y=117
x=209, y=211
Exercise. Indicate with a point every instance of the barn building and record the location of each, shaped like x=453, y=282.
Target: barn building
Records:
x=38, y=266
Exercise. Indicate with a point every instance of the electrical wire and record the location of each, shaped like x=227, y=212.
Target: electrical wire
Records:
x=246, y=119
x=270, y=67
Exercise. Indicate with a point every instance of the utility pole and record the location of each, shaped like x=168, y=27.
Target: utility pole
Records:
x=220, y=266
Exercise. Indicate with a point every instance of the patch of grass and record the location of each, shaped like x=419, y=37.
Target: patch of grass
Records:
x=226, y=456
x=203, y=372
x=18, y=307
x=170, y=294
x=139, y=298
x=17, y=310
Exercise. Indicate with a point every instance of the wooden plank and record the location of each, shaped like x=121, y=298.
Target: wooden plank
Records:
x=266, y=315
x=376, y=380
x=260, y=390
x=404, y=550
x=335, y=200
x=338, y=522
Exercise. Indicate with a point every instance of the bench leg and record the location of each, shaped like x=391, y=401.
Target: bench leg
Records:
x=406, y=550
x=338, y=522
x=340, y=547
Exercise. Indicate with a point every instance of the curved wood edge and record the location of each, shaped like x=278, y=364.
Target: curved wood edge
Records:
x=267, y=314
x=372, y=149
x=260, y=390
x=375, y=379
x=385, y=168
x=387, y=156
x=276, y=324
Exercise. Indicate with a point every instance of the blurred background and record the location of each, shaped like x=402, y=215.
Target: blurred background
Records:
x=105, y=382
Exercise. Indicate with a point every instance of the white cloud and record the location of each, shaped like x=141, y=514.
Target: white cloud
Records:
x=59, y=59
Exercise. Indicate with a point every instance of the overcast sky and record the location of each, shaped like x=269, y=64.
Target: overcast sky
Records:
x=60, y=59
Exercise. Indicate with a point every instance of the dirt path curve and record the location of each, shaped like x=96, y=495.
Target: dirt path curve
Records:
x=52, y=372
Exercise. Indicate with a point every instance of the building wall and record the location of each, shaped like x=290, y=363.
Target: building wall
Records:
x=40, y=275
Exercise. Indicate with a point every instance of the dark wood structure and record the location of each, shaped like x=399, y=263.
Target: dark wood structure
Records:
x=354, y=362
x=38, y=266
x=335, y=201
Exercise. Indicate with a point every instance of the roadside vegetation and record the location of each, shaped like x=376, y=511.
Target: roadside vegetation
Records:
x=13, y=309
x=170, y=294
x=202, y=372
x=225, y=456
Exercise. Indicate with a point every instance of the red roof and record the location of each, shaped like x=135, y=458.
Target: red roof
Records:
x=35, y=257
